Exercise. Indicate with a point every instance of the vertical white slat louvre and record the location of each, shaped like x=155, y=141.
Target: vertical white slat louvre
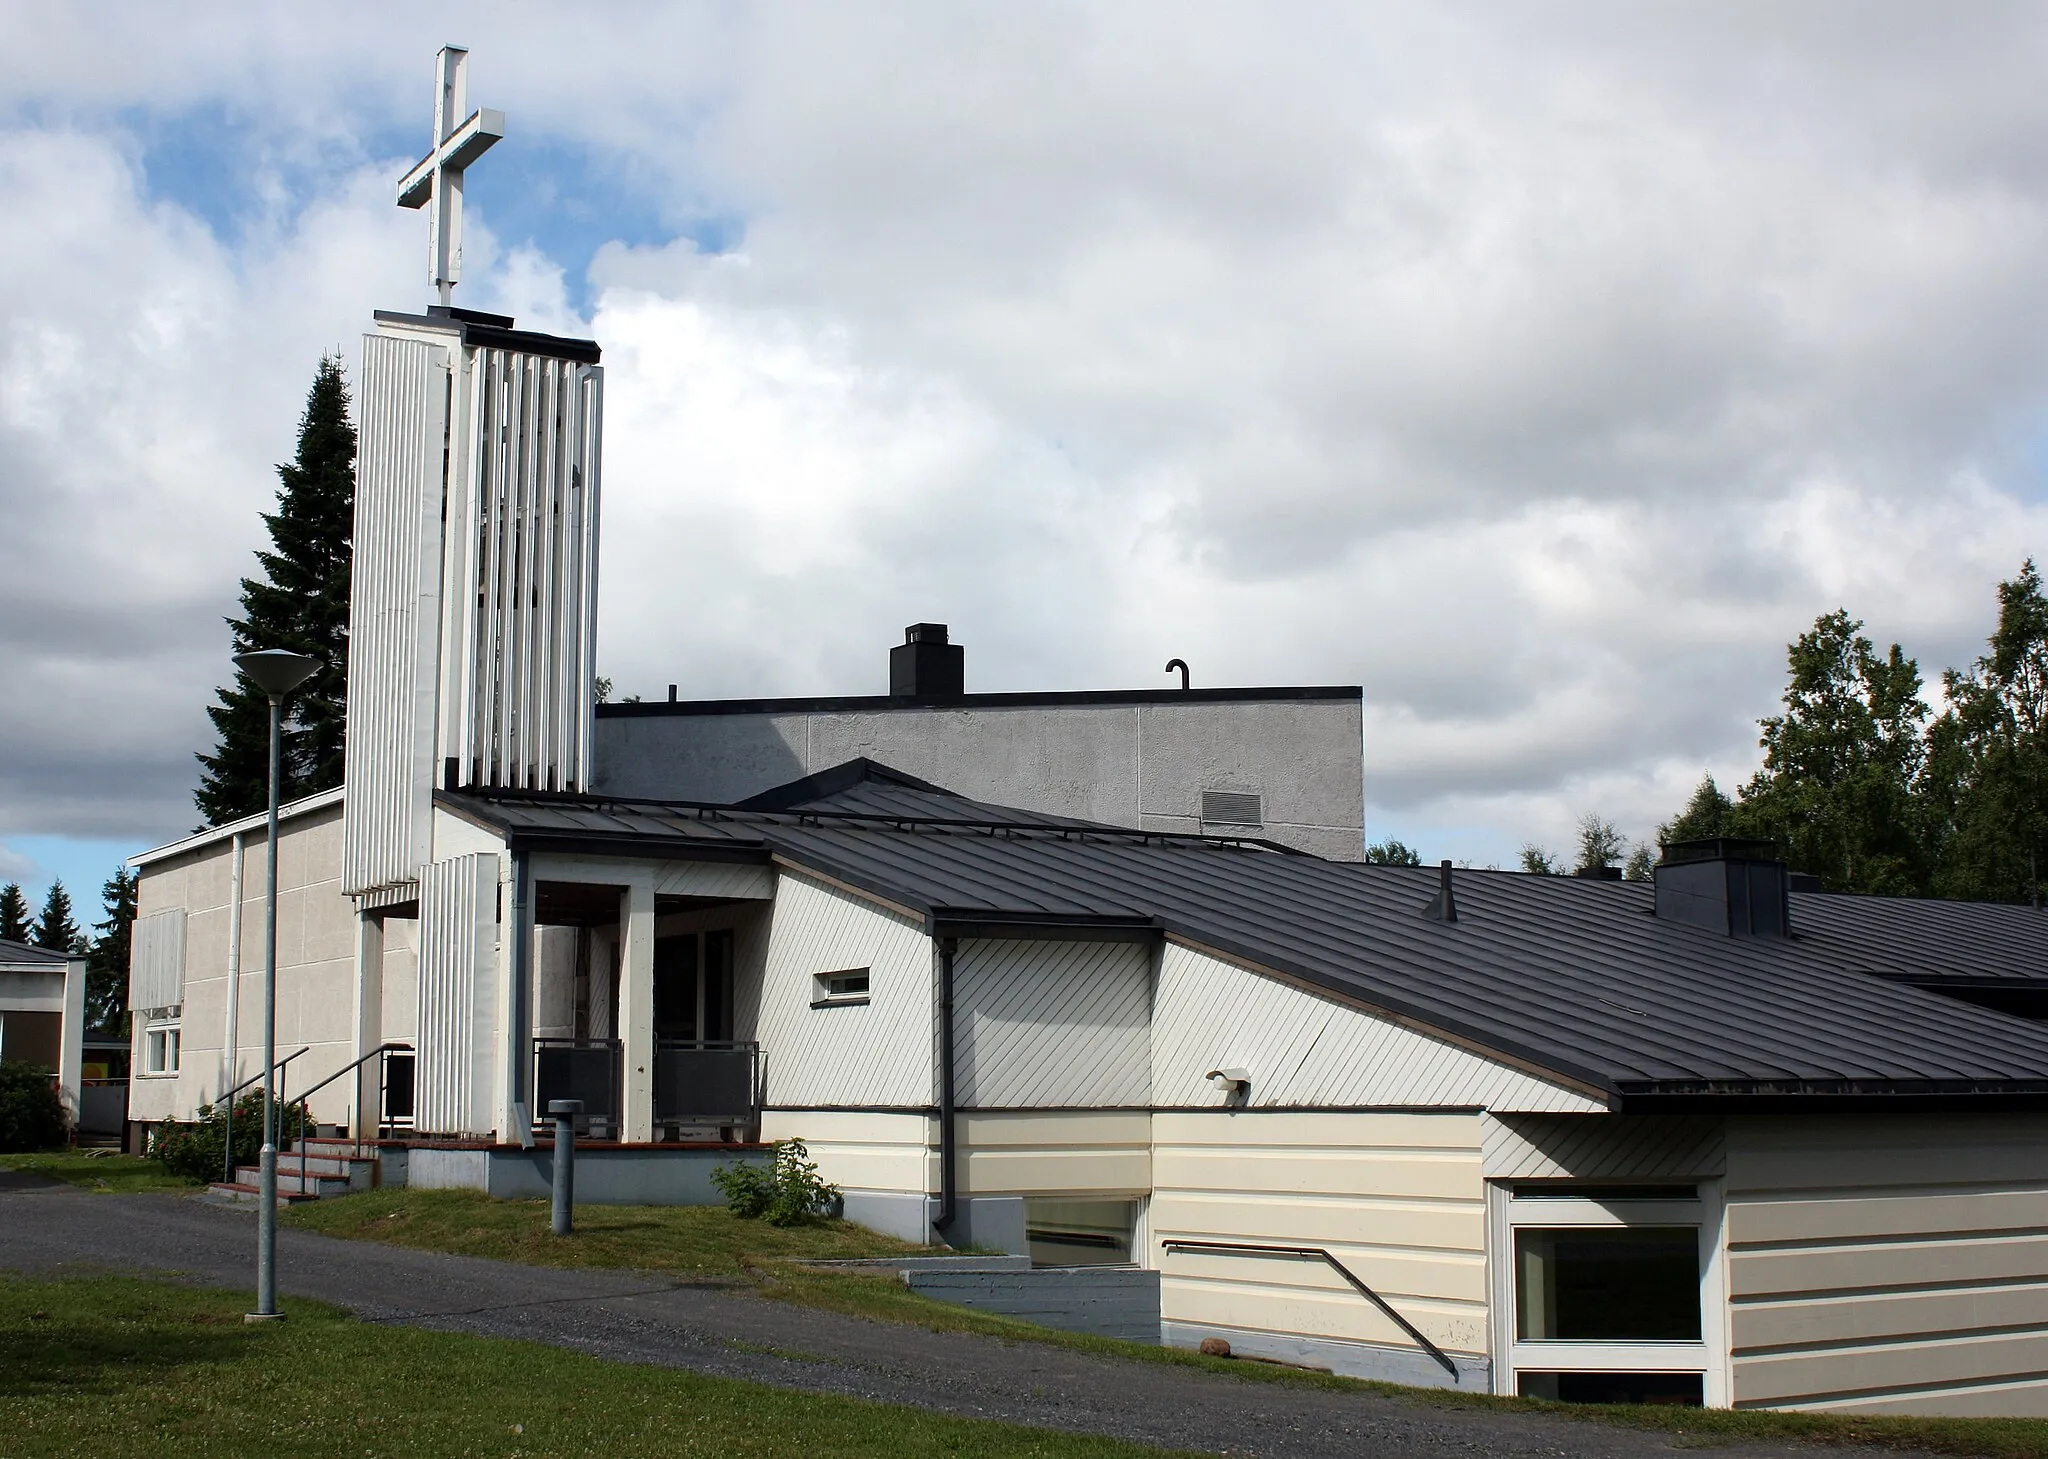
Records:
x=581, y=695
x=394, y=612
x=528, y=688
x=1052, y=1025
x=457, y=995
x=1306, y=1051
x=156, y=961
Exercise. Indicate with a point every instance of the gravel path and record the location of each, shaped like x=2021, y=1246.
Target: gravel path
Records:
x=715, y=1328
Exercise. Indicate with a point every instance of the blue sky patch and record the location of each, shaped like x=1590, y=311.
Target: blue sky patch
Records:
x=562, y=197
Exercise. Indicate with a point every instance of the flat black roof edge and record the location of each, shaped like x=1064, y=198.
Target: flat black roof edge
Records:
x=656, y=708
x=1784, y=1096
x=491, y=336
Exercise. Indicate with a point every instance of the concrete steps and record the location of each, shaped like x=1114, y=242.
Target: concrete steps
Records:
x=312, y=1168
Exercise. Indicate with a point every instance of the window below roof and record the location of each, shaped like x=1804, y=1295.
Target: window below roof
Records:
x=831, y=990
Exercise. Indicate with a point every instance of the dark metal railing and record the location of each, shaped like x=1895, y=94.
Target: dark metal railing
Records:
x=228, y=1099
x=1316, y=1253
x=590, y=1070
x=706, y=1081
x=355, y=1125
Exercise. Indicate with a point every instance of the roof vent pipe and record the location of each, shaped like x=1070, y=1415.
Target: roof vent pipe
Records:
x=1182, y=665
x=925, y=666
x=1443, y=907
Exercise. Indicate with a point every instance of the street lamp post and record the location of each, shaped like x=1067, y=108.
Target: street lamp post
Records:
x=276, y=672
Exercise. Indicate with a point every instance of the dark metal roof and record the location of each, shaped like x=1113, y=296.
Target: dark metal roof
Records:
x=495, y=331
x=1050, y=699
x=1570, y=976
x=869, y=788
x=17, y=953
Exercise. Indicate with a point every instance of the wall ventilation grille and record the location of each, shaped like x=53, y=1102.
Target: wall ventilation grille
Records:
x=1231, y=808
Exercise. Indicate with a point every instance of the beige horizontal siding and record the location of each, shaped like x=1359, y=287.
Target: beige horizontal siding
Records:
x=1398, y=1198
x=1078, y=1152
x=1893, y=1265
x=861, y=1150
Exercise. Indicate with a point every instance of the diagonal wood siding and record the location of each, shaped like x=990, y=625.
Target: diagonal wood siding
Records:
x=1052, y=1024
x=1303, y=1050
x=1602, y=1147
x=875, y=1054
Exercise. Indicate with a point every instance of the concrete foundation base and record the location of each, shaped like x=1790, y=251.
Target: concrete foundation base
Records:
x=619, y=1176
x=1410, y=1366
x=1105, y=1300
x=992, y=1223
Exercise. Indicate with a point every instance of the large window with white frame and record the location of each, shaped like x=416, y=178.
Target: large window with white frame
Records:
x=160, y=1041
x=1609, y=1293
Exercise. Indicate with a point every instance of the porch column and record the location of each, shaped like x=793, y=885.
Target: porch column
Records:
x=369, y=1020
x=636, y=1007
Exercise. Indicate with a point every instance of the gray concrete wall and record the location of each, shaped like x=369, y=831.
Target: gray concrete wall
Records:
x=626, y=1177
x=1141, y=764
x=1107, y=1301
x=1375, y=1361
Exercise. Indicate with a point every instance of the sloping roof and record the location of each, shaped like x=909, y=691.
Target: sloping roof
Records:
x=869, y=788
x=27, y=954
x=1575, y=977
x=318, y=801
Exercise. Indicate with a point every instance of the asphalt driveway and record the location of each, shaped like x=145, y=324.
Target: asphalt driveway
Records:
x=721, y=1329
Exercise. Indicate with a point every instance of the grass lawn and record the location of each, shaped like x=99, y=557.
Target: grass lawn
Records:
x=710, y=1240
x=117, y=1365
x=99, y=1170
x=702, y=1240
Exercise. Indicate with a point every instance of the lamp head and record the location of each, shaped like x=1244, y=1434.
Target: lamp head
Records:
x=277, y=671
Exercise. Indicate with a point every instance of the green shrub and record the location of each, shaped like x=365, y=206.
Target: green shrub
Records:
x=31, y=1113
x=195, y=1149
x=786, y=1192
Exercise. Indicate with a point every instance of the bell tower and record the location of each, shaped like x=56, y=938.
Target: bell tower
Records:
x=473, y=604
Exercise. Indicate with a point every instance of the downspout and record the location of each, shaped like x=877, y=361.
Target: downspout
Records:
x=522, y=994
x=230, y=1043
x=948, y=1145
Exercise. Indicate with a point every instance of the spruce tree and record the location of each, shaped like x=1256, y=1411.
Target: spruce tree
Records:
x=302, y=605
x=14, y=918
x=55, y=929
x=106, y=966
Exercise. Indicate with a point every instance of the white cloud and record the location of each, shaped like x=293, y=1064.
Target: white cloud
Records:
x=1544, y=372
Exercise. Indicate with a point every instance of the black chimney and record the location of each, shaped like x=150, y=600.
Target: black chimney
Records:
x=1726, y=885
x=925, y=666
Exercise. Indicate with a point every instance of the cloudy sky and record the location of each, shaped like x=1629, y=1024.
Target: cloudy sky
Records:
x=1541, y=368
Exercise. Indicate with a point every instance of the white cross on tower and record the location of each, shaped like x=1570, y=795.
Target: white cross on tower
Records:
x=437, y=177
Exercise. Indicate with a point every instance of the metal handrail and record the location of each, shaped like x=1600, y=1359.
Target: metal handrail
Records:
x=1317, y=1253
x=355, y=1124
x=227, y=1156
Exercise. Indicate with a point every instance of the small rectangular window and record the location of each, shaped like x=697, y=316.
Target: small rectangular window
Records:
x=160, y=1050
x=847, y=986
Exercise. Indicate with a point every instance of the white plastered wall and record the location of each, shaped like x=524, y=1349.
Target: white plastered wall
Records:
x=315, y=953
x=1889, y=1264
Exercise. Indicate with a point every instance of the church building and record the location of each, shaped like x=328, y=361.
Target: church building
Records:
x=1094, y=978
